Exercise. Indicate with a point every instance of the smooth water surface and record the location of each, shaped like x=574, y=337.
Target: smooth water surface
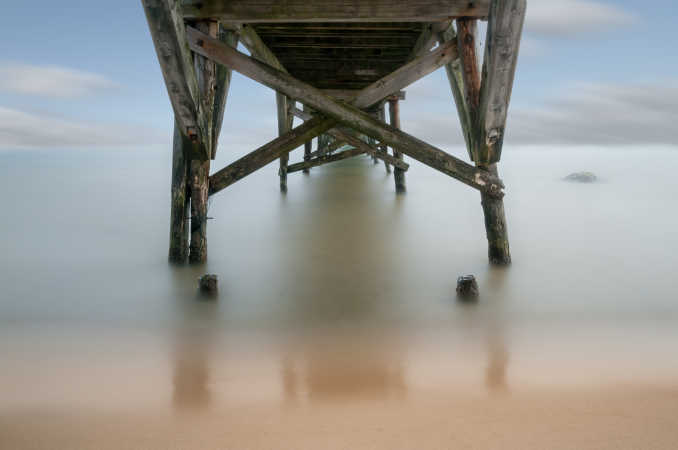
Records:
x=336, y=325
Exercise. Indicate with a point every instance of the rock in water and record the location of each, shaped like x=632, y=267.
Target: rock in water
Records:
x=581, y=177
x=208, y=284
x=467, y=287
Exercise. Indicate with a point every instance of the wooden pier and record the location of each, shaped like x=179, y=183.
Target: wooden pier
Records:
x=335, y=64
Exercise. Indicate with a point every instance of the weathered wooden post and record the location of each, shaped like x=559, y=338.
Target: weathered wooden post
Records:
x=180, y=203
x=382, y=147
x=394, y=118
x=206, y=74
x=307, y=147
x=284, y=125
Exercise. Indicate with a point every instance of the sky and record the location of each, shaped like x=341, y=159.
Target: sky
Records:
x=84, y=74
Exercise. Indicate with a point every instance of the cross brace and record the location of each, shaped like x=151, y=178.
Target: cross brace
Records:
x=351, y=115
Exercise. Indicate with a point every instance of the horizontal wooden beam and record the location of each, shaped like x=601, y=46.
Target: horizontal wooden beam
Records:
x=350, y=115
x=324, y=159
x=273, y=11
x=268, y=153
x=350, y=94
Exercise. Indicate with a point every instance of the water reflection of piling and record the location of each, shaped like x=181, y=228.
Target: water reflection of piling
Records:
x=497, y=348
x=333, y=367
x=193, y=334
x=342, y=347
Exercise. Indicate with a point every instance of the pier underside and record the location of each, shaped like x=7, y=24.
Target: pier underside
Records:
x=336, y=65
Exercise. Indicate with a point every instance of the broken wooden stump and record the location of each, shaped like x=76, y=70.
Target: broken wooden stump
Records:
x=208, y=284
x=467, y=287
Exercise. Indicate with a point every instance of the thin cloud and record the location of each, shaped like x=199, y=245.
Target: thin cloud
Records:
x=571, y=17
x=585, y=114
x=600, y=114
x=23, y=130
x=51, y=81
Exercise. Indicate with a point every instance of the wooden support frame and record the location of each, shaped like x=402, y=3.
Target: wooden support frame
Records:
x=324, y=159
x=351, y=115
x=482, y=102
x=329, y=11
x=345, y=138
x=268, y=153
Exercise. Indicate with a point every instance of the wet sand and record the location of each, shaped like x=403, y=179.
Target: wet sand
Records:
x=609, y=419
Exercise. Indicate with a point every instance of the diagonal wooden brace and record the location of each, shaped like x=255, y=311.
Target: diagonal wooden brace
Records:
x=166, y=25
x=268, y=153
x=350, y=115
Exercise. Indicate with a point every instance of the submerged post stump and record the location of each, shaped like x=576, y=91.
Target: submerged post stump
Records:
x=208, y=284
x=467, y=287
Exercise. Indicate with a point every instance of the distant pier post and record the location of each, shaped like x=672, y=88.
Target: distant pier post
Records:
x=394, y=118
x=284, y=125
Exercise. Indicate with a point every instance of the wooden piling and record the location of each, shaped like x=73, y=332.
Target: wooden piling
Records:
x=283, y=127
x=179, y=210
x=199, y=186
x=307, y=149
x=206, y=74
x=394, y=118
x=495, y=225
x=382, y=147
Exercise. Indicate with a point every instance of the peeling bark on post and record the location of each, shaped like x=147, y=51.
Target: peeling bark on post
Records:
x=495, y=225
x=398, y=173
x=178, y=241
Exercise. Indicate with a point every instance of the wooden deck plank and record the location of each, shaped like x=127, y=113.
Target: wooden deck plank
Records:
x=252, y=11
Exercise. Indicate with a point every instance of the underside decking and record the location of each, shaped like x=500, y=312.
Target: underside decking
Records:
x=340, y=55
